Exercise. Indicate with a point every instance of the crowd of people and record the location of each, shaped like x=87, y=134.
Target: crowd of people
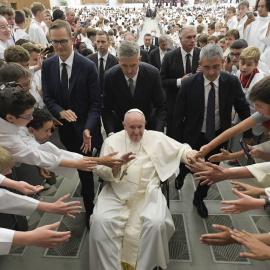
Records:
x=75, y=71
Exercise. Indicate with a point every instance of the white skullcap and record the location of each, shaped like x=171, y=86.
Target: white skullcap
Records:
x=135, y=110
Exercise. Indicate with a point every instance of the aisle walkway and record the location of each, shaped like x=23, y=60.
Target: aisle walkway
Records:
x=148, y=25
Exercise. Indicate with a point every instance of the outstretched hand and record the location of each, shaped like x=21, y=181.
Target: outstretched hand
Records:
x=248, y=189
x=60, y=207
x=224, y=155
x=27, y=189
x=243, y=204
x=45, y=236
x=198, y=165
x=258, y=250
x=213, y=175
x=222, y=238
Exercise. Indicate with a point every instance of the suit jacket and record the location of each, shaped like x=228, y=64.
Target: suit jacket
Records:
x=144, y=55
x=152, y=47
x=149, y=97
x=84, y=95
x=172, y=69
x=155, y=41
x=154, y=57
x=190, y=105
x=111, y=61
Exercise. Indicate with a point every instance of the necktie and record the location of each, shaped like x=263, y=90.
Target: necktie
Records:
x=210, y=117
x=147, y=48
x=131, y=87
x=101, y=74
x=188, y=64
x=64, y=86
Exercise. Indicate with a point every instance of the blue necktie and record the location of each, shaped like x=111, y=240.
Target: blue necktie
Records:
x=210, y=117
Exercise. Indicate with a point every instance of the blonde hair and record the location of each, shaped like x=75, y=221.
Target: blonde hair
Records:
x=6, y=160
x=36, y=7
x=250, y=53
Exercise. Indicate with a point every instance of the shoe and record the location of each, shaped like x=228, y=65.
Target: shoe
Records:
x=233, y=162
x=201, y=208
x=179, y=182
x=46, y=186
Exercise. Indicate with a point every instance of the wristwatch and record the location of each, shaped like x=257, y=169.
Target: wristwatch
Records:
x=267, y=204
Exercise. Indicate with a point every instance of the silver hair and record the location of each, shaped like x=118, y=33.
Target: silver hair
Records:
x=186, y=28
x=128, y=49
x=162, y=38
x=67, y=11
x=132, y=111
x=210, y=51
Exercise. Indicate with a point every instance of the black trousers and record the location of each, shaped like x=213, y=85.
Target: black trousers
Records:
x=73, y=143
x=201, y=191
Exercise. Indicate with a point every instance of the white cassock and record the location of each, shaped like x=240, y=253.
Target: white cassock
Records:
x=131, y=224
x=12, y=203
x=255, y=31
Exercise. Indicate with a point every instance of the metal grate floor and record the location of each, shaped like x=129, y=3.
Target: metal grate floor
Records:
x=73, y=246
x=262, y=223
x=221, y=254
x=178, y=245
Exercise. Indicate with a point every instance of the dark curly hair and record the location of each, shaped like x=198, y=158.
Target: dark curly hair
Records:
x=267, y=5
x=40, y=117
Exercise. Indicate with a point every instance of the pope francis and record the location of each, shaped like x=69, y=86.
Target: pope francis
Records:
x=131, y=224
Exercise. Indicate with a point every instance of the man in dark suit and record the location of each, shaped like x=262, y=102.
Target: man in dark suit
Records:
x=107, y=59
x=157, y=55
x=132, y=84
x=147, y=43
x=177, y=65
x=144, y=55
x=71, y=93
x=154, y=38
x=203, y=110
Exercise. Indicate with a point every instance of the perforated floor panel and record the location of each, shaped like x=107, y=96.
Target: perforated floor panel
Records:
x=221, y=254
x=178, y=245
x=73, y=246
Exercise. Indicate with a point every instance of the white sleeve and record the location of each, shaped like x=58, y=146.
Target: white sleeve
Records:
x=6, y=239
x=12, y=203
x=2, y=177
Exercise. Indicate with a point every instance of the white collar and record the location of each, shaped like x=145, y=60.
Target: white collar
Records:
x=184, y=53
x=216, y=81
x=105, y=57
x=69, y=61
x=135, y=77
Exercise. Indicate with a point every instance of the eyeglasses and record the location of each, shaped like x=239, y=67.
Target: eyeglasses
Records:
x=4, y=27
x=24, y=85
x=63, y=42
x=26, y=118
x=235, y=54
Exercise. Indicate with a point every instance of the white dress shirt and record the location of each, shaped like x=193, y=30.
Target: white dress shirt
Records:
x=184, y=59
x=69, y=63
x=105, y=57
x=37, y=34
x=207, y=88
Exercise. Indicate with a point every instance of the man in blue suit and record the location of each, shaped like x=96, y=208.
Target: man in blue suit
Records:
x=71, y=93
x=203, y=110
